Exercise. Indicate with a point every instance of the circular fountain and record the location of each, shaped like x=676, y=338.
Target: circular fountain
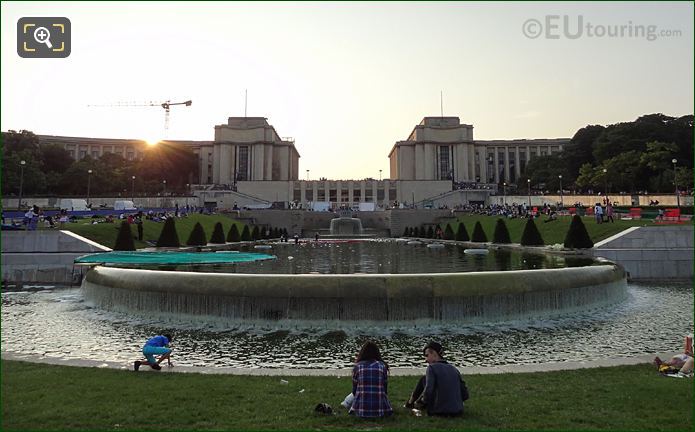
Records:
x=298, y=294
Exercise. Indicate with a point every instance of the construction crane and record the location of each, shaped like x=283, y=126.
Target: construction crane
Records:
x=166, y=105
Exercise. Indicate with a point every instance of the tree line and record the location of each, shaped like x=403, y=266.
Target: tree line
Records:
x=50, y=170
x=636, y=156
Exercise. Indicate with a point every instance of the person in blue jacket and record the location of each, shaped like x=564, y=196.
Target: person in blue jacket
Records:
x=157, y=345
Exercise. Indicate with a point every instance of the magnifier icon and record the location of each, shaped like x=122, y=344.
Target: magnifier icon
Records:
x=42, y=35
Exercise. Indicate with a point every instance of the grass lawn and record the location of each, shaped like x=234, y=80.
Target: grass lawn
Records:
x=37, y=396
x=552, y=232
x=105, y=234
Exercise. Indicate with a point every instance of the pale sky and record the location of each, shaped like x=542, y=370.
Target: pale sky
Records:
x=348, y=80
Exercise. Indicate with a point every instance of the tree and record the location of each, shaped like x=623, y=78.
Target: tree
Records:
x=33, y=180
x=124, y=240
x=197, y=237
x=217, y=234
x=461, y=233
x=22, y=141
x=406, y=232
x=430, y=232
x=478, y=234
x=55, y=159
x=245, y=234
x=448, y=233
x=531, y=236
x=577, y=237
x=168, y=237
x=233, y=234
x=501, y=234
x=255, y=234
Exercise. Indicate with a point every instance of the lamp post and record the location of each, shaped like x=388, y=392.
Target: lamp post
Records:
x=504, y=191
x=132, y=188
x=89, y=183
x=21, y=183
x=528, y=181
x=413, y=199
x=605, y=182
x=164, y=186
x=562, y=204
x=675, y=182
x=379, y=175
x=188, y=192
x=307, y=175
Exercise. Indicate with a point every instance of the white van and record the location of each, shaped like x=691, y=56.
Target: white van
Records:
x=124, y=205
x=72, y=204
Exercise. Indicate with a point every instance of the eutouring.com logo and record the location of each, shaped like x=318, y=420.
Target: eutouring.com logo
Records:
x=576, y=27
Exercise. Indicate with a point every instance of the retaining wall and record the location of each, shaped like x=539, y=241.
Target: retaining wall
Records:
x=43, y=256
x=659, y=252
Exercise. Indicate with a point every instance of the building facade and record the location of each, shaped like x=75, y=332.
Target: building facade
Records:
x=442, y=148
x=249, y=160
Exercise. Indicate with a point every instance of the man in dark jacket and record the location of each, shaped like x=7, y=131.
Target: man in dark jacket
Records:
x=442, y=390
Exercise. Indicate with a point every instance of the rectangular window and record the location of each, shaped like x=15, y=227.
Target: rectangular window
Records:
x=444, y=163
x=544, y=151
x=477, y=166
x=512, y=166
x=380, y=195
x=309, y=193
x=500, y=165
x=392, y=194
x=522, y=160
x=131, y=155
x=321, y=195
x=95, y=154
x=356, y=195
x=243, y=165
x=333, y=195
x=490, y=166
x=368, y=194
x=297, y=195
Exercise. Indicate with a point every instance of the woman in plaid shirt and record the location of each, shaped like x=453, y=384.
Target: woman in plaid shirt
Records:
x=369, y=383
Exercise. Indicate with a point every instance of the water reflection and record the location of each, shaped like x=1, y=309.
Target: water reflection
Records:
x=59, y=323
x=379, y=257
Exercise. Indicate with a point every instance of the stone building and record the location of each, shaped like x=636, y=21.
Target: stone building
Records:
x=248, y=162
x=441, y=148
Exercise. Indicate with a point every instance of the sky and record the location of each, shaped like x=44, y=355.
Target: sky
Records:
x=348, y=80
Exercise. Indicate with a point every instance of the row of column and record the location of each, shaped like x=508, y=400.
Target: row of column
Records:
x=325, y=186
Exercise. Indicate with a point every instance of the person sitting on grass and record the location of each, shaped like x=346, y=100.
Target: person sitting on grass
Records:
x=441, y=391
x=369, y=384
x=155, y=346
x=682, y=363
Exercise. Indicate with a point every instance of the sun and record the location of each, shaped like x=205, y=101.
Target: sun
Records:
x=152, y=141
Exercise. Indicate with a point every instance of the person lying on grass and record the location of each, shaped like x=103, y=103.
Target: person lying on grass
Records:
x=680, y=363
x=157, y=345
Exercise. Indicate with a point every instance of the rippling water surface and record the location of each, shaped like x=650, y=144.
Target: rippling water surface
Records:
x=59, y=323
x=387, y=256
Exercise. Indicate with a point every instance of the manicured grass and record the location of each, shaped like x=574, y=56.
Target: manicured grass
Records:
x=552, y=232
x=36, y=396
x=105, y=234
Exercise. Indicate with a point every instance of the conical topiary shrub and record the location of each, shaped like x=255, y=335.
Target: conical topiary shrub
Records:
x=197, y=237
x=462, y=233
x=501, y=234
x=255, y=233
x=577, y=237
x=217, y=234
x=275, y=233
x=168, y=237
x=245, y=234
x=531, y=236
x=422, y=233
x=448, y=233
x=124, y=241
x=406, y=232
x=430, y=232
x=233, y=234
x=478, y=234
